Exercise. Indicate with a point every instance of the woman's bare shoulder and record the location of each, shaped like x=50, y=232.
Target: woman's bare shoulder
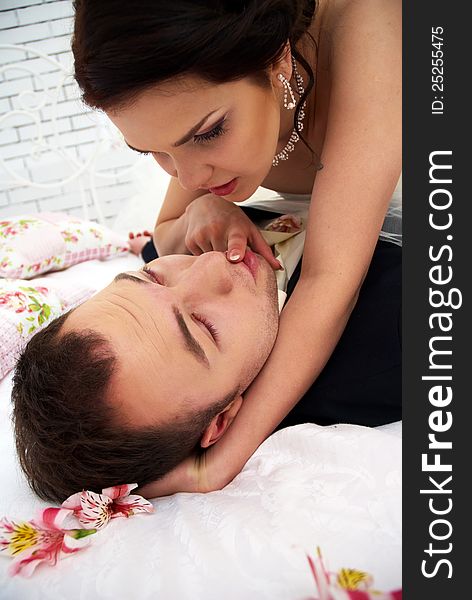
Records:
x=355, y=29
x=338, y=21
x=338, y=15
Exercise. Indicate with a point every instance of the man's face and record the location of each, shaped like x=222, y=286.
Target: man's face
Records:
x=154, y=320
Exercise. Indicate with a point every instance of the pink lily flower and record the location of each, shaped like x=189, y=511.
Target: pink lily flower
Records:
x=95, y=510
x=43, y=540
x=358, y=588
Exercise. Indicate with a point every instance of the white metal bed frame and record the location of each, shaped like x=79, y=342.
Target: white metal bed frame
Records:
x=84, y=172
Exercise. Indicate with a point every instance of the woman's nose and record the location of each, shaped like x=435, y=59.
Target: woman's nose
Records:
x=193, y=176
x=166, y=163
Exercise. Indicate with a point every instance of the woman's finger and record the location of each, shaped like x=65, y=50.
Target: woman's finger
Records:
x=237, y=242
x=192, y=246
x=219, y=244
x=259, y=245
x=204, y=244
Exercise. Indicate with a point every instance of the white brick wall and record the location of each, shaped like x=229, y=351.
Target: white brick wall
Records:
x=68, y=130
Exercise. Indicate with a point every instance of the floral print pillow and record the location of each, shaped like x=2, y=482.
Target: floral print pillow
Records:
x=26, y=307
x=34, y=244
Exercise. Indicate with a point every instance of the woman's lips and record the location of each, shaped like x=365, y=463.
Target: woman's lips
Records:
x=226, y=189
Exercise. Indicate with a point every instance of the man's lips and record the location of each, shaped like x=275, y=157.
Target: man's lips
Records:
x=226, y=189
x=251, y=262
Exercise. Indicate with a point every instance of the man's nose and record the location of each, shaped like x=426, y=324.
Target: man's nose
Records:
x=208, y=274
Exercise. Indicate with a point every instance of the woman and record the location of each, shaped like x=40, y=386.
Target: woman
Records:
x=220, y=93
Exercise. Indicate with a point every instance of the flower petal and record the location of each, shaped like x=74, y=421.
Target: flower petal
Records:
x=133, y=504
x=76, y=539
x=17, y=538
x=120, y=513
x=53, y=545
x=96, y=510
x=118, y=491
x=26, y=565
x=52, y=518
x=73, y=502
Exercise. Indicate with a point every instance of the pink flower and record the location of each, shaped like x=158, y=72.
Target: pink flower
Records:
x=348, y=584
x=42, y=540
x=15, y=300
x=285, y=223
x=95, y=510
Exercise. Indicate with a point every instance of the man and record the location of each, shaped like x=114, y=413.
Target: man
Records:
x=153, y=368
x=150, y=367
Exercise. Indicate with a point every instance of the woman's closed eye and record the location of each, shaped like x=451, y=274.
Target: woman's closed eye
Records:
x=201, y=138
x=217, y=131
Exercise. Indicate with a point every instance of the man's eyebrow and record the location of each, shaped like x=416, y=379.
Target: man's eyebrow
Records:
x=182, y=140
x=191, y=343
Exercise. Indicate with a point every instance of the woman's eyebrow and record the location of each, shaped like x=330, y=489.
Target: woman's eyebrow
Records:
x=182, y=140
x=193, y=131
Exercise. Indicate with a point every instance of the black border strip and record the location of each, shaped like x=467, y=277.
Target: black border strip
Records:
x=436, y=272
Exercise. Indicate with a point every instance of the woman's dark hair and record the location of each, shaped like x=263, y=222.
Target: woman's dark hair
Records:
x=68, y=436
x=121, y=48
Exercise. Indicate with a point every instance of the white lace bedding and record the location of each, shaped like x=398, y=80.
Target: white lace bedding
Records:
x=337, y=487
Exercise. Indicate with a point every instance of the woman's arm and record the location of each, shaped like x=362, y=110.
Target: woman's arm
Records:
x=362, y=162
x=171, y=226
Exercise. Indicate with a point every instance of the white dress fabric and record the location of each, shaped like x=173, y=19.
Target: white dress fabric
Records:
x=288, y=247
x=392, y=225
x=298, y=204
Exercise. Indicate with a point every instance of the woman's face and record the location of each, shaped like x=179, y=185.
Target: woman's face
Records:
x=206, y=134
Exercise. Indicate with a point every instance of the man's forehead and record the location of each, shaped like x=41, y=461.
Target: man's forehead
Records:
x=133, y=310
x=178, y=323
x=106, y=305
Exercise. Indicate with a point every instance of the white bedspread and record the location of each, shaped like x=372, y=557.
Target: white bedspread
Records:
x=336, y=487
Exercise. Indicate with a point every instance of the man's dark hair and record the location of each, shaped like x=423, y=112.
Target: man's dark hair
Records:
x=68, y=436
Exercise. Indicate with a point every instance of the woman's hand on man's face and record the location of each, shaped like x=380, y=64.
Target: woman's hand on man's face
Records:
x=216, y=224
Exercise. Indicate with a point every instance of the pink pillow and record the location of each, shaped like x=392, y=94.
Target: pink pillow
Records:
x=26, y=307
x=34, y=244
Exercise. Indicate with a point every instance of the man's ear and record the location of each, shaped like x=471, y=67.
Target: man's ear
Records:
x=220, y=423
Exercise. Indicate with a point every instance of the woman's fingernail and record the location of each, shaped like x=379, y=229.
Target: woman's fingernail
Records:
x=234, y=255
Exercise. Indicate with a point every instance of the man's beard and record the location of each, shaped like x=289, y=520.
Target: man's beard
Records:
x=268, y=329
